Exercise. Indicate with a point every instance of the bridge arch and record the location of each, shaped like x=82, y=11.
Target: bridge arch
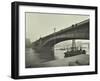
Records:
x=52, y=41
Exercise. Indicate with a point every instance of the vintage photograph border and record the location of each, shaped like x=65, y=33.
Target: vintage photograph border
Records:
x=15, y=39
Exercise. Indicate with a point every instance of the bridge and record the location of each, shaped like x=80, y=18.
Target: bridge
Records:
x=44, y=46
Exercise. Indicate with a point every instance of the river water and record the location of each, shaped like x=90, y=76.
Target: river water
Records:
x=32, y=57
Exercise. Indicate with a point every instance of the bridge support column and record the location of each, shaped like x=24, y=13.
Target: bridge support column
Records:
x=46, y=54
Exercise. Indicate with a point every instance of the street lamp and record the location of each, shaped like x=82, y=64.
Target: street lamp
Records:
x=54, y=30
x=54, y=37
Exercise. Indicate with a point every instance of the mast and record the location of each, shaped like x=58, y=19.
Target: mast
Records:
x=73, y=45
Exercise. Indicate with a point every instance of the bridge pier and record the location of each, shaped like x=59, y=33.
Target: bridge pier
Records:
x=46, y=54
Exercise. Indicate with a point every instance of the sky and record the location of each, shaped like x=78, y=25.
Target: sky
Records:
x=42, y=24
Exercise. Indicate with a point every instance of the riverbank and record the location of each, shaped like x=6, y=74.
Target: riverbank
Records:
x=77, y=60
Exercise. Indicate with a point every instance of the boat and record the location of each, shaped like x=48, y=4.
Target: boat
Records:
x=72, y=51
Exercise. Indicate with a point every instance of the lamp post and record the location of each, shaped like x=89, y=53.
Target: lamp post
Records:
x=40, y=40
x=54, y=30
x=54, y=34
x=54, y=37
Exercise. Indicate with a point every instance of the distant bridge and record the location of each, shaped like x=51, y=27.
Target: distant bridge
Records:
x=45, y=45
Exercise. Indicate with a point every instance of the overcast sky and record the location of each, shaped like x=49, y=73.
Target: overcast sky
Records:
x=42, y=24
